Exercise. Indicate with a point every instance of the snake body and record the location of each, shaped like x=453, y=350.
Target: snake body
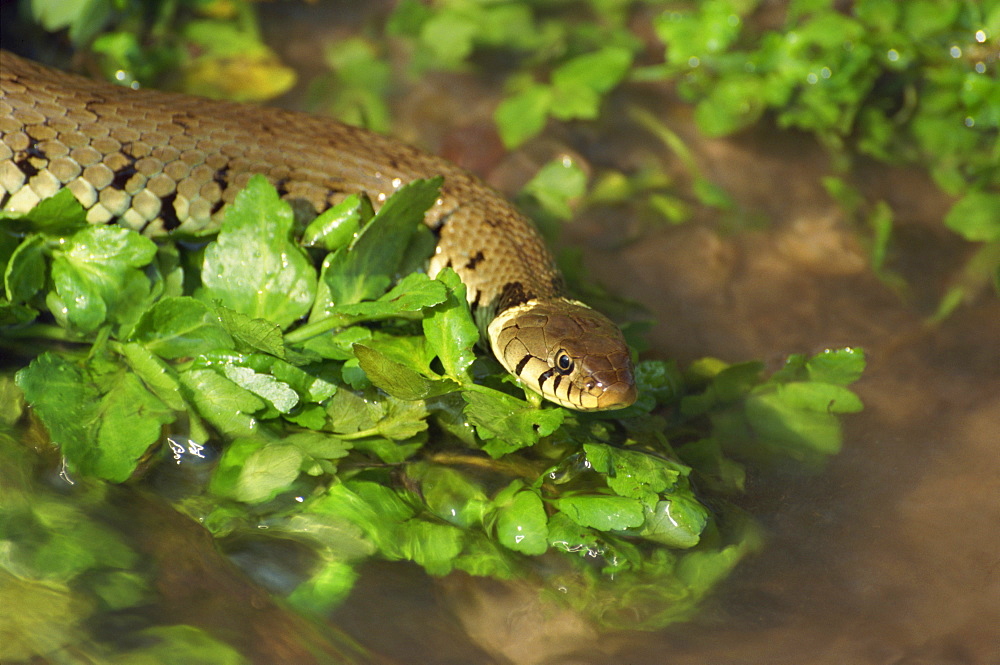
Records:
x=164, y=163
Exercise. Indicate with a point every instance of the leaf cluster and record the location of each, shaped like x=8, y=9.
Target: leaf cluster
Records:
x=338, y=392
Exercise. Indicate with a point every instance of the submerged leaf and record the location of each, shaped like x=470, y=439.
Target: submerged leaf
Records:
x=253, y=267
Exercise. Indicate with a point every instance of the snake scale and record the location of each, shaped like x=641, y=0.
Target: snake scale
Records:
x=164, y=163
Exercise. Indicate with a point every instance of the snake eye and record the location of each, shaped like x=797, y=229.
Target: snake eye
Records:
x=564, y=363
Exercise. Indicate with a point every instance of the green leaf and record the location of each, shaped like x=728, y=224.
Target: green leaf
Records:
x=837, y=366
x=326, y=589
x=252, y=334
x=819, y=397
x=253, y=266
x=634, y=474
x=181, y=327
x=366, y=270
x=599, y=71
x=521, y=524
x=605, y=513
x=59, y=214
x=130, y=420
x=450, y=494
x=319, y=445
x=567, y=536
x=795, y=431
x=64, y=398
x=24, y=275
x=159, y=377
x=976, y=217
x=268, y=471
x=397, y=379
x=677, y=521
x=16, y=315
x=96, y=277
x=522, y=115
x=431, y=545
x=506, y=423
x=557, y=187
x=276, y=393
x=413, y=293
x=221, y=402
x=451, y=333
x=102, y=431
x=338, y=226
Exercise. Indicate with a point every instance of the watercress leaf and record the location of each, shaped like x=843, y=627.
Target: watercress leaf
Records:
x=16, y=315
x=103, y=429
x=568, y=536
x=336, y=345
x=277, y=393
x=676, y=521
x=267, y=472
x=412, y=294
x=348, y=413
x=60, y=214
x=315, y=385
x=522, y=524
x=319, y=444
x=449, y=494
x=634, y=474
x=96, y=277
x=130, y=421
x=702, y=569
x=365, y=271
x=557, y=186
x=599, y=71
x=522, y=115
x=716, y=472
x=253, y=266
x=506, y=423
x=451, y=333
x=221, y=402
x=661, y=379
x=252, y=334
x=430, y=544
x=387, y=450
x=24, y=275
x=376, y=509
x=604, y=513
x=823, y=397
x=231, y=463
x=484, y=557
x=397, y=379
x=572, y=101
x=327, y=588
x=798, y=432
x=403, y=419
x=65, y=399
x=159, y=377
x=181, y=327
x=337, y=226
x=837, y=366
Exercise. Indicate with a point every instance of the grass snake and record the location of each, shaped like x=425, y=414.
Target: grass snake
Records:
x=164, y=163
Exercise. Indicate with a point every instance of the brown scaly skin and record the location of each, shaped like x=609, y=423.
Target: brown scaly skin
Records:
x=160, y=163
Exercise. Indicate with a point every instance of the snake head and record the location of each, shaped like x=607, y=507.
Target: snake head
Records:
x=567, y=352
